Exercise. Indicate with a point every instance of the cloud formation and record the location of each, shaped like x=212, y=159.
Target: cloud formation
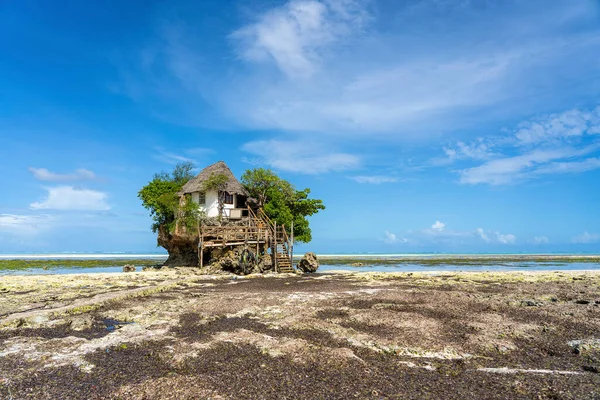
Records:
x=374, y=179
x=392, y=238
x=496, y=237
x=438, y=234
x=540, y=240
x=70, y=198
x=337, y=67
x=438, y=226
x=24, y=224
x=586, y=238
x=294, y=35
x=300, y=156
x=555, y=144
x=190, y=155
x=43, y=174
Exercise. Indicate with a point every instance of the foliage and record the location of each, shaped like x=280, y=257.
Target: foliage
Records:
x=189, y=214
x=160, y=197
x=215, y=182
x=282, y=202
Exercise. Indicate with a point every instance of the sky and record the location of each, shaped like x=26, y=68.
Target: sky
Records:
x=447, y=126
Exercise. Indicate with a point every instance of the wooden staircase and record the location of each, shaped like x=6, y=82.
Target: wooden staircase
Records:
x=281, y=244
x=282, y=253
x=259, y=231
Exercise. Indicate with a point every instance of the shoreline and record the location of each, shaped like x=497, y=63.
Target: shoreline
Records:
x=374, y=256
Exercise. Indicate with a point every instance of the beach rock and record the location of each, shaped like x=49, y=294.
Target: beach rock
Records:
x=309, y=263
x=580, y=301
x=129, y=268
x=81, y=322
x=531, y=303
x=584, y=345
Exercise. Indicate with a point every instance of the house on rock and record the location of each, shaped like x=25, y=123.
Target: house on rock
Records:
x=233, y=194
x=244, y=234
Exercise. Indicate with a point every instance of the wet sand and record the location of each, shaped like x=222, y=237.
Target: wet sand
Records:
x=179, y=335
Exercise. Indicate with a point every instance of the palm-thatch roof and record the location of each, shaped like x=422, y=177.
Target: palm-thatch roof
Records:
x=232, y=186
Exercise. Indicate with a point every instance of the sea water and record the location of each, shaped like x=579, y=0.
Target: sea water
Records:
x=370, y=263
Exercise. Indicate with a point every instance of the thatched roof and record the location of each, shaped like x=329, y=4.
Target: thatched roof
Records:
x=196, y=184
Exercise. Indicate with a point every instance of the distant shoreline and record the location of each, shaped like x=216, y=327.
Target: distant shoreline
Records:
x=334, y=256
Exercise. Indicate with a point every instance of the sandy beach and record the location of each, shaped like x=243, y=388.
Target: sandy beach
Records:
x=180, y=335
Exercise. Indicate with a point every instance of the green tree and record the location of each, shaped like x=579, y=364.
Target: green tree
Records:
x=160, y=196
x=282, y=202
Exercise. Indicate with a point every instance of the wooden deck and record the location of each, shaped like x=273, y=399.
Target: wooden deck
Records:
x=259, y=231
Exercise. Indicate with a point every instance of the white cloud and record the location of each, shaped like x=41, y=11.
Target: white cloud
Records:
x=392, y=238
x=483, y=235
x=329, y=66
x=584, y=165
x=24, y=224
x=438, y=226
x=300, y=156
x=477, y=150
x=561, y=143
x=508, y=170
x=495, y=237
x=540, y=240
x=586, y=237
x=70, y=198
x=190, y=155
x=374, y=179
x=559, y=127
x=294, y=35
x=506, y=239
x=43, y=174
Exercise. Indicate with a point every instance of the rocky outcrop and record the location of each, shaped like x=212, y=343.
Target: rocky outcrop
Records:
x=129, y=268
x=238, y=260
x=309, y=263
x=181, y=246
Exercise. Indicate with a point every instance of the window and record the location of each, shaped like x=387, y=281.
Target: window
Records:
x=201, y=199
x=228, y=198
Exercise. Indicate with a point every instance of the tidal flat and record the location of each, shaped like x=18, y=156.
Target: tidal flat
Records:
x=176, y=334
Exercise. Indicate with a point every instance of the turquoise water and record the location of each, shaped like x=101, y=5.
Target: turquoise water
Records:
x=401, y=267
x=506, y=266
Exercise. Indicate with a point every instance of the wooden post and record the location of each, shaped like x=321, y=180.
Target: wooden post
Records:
x=274, y=249
x=292, y=245
x=201, y=248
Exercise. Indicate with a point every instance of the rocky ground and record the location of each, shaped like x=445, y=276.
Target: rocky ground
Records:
x=179, y=335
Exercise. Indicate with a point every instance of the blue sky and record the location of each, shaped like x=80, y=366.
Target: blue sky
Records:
x=424, y=125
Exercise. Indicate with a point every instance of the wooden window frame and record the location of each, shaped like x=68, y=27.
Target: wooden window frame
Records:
x=226, y=198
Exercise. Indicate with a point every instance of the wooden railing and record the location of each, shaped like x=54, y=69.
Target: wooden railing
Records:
x=259, y=229
x=228, y=234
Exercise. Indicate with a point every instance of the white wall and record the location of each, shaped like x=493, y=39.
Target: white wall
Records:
x=211, y=208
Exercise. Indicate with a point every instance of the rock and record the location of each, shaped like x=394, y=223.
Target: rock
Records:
x=584, y=345
x=531, y=303
x=309, y=263
x=582, y=301
x=81, y=322
x=129, y=268
x=505, y=348
x=591, y=368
